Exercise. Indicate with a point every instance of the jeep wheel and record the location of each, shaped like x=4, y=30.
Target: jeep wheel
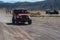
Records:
x=29, y=21
x=13, y=21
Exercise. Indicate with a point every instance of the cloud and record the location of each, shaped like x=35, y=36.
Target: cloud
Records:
x=30, y=0
x=20, y=0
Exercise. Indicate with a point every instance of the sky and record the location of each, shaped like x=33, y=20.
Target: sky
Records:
x=20, y=0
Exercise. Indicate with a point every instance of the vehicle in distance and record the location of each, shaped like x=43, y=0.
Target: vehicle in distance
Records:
x=52, y=12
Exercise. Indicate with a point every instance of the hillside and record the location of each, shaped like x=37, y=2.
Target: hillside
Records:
x=42, y=5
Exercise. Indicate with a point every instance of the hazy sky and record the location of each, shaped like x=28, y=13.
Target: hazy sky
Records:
x=20, y=0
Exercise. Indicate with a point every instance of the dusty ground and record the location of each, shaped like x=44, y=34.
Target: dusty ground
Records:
x=42, y=28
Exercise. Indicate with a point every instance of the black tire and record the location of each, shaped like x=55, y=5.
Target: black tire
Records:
x=17, y=22
x=13, y=21
x=29, y=21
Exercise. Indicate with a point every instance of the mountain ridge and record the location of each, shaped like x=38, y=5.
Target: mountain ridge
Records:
x=41, y=5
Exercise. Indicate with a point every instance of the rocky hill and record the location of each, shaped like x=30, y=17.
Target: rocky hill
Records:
x=41, y=5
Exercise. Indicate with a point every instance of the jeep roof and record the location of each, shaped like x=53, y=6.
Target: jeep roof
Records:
x=20, y=11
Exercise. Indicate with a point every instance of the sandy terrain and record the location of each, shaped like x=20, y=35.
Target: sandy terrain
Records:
x=42, y=28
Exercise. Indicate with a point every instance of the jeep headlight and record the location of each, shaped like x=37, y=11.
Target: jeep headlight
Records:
x=17, y=16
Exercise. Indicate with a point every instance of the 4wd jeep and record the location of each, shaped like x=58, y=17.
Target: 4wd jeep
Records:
x=52, y=12
x=21, y=16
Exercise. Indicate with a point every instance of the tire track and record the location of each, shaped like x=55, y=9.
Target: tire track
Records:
x=17, y=33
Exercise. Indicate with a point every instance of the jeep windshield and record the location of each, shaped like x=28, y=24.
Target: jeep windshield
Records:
x=20, y=11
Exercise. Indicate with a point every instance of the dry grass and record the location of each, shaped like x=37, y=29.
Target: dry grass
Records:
x=33, y=13
x=42, y=14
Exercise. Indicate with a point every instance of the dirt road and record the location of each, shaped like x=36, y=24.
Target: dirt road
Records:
x=42, y=28
x=11, y=32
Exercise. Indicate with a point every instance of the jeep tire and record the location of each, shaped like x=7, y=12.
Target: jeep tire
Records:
x=29, y=21
x=13, y=21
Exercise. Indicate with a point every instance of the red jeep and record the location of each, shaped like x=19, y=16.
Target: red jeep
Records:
x=21, y=16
